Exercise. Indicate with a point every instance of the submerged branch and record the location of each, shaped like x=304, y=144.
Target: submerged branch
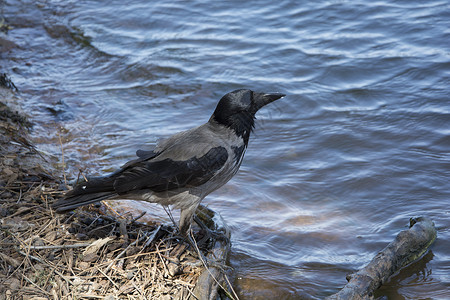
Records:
x=408, y=246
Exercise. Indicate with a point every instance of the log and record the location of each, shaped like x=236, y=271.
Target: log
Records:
x=213, y=276
x=210, y=279
x=408, y=246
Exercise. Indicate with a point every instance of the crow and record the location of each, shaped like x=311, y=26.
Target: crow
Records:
x=184, y=168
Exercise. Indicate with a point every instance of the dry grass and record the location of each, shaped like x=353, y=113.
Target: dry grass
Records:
x=87, y=254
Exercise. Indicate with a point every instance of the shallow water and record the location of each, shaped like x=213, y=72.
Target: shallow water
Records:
x=333, y=171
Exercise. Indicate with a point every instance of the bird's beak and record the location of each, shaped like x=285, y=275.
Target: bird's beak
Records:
x=262, y=99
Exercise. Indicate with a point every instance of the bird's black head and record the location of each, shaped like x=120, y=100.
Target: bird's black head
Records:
x=237, y=110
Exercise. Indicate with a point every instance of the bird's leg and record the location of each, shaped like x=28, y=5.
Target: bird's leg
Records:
x=186, y=217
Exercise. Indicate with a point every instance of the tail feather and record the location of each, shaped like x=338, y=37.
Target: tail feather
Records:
x=86, y=192
x=66, y=204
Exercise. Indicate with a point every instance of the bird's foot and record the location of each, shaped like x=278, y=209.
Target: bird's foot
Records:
x=207, y=234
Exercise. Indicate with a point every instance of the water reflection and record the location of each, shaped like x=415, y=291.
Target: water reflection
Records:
x=332, y=173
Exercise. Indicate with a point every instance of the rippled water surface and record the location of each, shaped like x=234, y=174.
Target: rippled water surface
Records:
x=333, y=171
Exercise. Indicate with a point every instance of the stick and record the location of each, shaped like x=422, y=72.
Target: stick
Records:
x=58, y=246
x=62, y=158
x=408, y=246
x=138, y=217
x=109, y=278
x=34, y=284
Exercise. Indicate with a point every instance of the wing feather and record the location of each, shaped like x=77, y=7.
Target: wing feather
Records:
x=169, y=174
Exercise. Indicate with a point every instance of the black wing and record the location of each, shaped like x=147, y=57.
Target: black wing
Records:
x=146, y=154
x=168, y=174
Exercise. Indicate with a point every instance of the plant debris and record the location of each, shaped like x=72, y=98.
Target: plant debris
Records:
x=4, y=27
x=6, y=82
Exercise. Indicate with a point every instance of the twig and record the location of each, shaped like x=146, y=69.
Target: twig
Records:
x=45, y=227
x=112, y=209
x=27, y=255
x=58, y=246
x=169, y=213
x=112, y=281
x=138, y=217
x=179, y=281
x=20, y=196
x=151, y=238
x=192, y=294
x=45, y=200
x=50, y=274
x=82, y=174
x=123, y=230
x=88, y=296
x=30, y=281
x=62, y=158
x=137, y=288
x=162, y=260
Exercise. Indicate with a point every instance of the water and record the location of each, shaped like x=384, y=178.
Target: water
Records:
x=333, y=171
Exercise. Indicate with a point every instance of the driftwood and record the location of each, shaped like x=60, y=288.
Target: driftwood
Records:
x=213, y=277
x=408, y=246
